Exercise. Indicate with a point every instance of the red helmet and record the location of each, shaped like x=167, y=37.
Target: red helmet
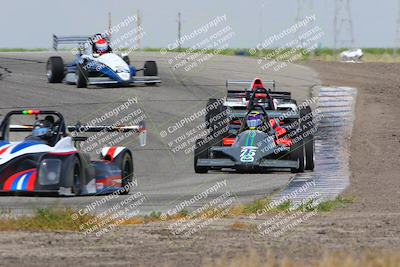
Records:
x=101, y=45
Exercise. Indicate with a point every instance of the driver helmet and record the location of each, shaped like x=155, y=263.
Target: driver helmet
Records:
x=101, y=45
x=254, y=120
x=42, y=129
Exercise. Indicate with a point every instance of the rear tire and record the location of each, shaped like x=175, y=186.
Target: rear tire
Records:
x=200, y=152
x=150, y=68
x=55, y=70
x=126, y=172
x=81, y=76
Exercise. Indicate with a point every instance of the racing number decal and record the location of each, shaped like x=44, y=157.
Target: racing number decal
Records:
x=247, y=153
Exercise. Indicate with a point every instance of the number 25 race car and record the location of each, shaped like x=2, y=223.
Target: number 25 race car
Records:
x=256, y=129
x=97, y=64
x=47, y=161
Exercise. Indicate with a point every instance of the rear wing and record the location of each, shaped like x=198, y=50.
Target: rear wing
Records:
x=247, y=82
x=6, y=127
x=140, y=128
x=276, y=114
x=68, y=40
x=247, y=94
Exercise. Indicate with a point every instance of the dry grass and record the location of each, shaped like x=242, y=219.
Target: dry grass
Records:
x=365, y=259
x=46, y=220
x=237, y=225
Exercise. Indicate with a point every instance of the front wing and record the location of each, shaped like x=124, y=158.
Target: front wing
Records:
x=228, y=163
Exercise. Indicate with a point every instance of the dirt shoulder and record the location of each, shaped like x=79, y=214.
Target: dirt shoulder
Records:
x=372, y=222
x=375, y=145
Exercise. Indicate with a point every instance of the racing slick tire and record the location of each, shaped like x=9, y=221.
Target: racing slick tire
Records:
x=200, y=152
x=218, y=113
x=297, y=153
x=126, y=172
x=81, y=76
x=309, y=138
x=77, y=177
x=127, y=60
x=150, y=68
x=55, y=70
x=217, y=121
x=309, y=149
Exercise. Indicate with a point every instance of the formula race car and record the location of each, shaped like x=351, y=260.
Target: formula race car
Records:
x=282, y=138
x=97, y=64
x=48, y=162
x=239, y=99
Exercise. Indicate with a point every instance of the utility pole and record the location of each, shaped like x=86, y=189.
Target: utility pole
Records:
x=138, y=28
x=109, y=25
x=179, y=31
x=397, y=38
x=304, y=8
x=343, y=25
x=261, y=21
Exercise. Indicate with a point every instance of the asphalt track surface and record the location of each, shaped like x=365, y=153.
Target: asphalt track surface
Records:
x=164, y=177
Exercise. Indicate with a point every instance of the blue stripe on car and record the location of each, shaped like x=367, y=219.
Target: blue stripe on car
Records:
x=110, y=73
x=23, y=146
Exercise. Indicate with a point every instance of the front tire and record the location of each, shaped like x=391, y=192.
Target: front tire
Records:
x=297, y=153
x=309, y=139
x=55, y=70
x=127, y=60
x=150, y=68
x=126, y=172
x=200, y=152
x=77, y=177
x=215, y=114
x=81, y=76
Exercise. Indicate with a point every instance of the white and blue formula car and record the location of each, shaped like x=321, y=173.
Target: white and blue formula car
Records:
x=96, y=64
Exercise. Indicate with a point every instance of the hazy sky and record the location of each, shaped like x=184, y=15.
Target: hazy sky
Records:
x=30, y=24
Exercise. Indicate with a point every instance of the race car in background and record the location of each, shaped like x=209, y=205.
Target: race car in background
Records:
x=239, y=99
x=92, y=66
x=231, y=145
x=48, y=162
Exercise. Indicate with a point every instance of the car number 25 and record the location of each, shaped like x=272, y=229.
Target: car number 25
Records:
x=247, y=153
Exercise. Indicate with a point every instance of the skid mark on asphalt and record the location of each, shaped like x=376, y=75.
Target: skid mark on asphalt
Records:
x=23, y=59
x=4, y=71
x=331, y=175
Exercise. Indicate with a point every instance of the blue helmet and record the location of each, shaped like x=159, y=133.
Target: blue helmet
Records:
x=254, y=120
x=42, y=129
